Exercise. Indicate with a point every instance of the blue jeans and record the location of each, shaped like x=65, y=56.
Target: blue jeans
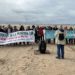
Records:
x=60, y=51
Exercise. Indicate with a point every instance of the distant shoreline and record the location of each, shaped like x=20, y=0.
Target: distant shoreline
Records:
x=52, y=25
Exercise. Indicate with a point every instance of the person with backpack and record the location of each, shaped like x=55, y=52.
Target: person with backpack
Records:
x=60, y=42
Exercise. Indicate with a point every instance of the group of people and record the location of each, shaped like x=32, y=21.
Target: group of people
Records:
x=39, y=34
x=59, y=39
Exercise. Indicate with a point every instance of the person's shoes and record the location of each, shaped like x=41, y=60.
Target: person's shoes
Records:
x=62, y=57
x=57, y=57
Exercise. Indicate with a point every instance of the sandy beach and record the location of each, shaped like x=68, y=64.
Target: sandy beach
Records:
x=37, y=37
x=22, y=60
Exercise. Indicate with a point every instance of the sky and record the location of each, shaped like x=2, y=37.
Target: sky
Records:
x=37, y=11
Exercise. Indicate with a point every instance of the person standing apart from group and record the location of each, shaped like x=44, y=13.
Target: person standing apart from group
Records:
x=60, y=42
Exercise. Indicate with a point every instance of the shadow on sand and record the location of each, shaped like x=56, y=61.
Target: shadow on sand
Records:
x=37, y=52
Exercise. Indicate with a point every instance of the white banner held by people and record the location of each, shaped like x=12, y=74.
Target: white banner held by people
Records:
x=19, y=36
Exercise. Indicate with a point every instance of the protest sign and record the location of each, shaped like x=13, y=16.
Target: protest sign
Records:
x=19, y=36
x=49, y=34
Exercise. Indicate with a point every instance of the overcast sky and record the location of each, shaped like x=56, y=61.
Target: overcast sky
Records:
x=37, y=11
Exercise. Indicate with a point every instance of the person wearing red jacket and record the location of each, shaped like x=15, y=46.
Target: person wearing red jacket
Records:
x=40, y=33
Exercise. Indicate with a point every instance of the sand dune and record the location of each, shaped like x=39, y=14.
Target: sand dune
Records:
x=23, y=61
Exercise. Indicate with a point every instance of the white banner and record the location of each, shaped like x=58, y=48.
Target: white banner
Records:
x=19, y=36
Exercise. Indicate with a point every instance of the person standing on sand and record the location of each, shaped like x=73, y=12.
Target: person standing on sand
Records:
x=55, y=28
x=60, y=42
x=49, y=40
x=22, y=29
x=66, y=29
x=40, y=33
x=15, y=29
x=1, y=30
x=9, y=30
x=71, y=39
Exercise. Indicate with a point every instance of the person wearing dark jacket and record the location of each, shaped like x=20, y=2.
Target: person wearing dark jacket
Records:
x=55, y=28
x=22, y=29
x=9, y=29
x=1, y=30
x=15, y=30
x=27, y=29
x=36, y=33
x=6, y=30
